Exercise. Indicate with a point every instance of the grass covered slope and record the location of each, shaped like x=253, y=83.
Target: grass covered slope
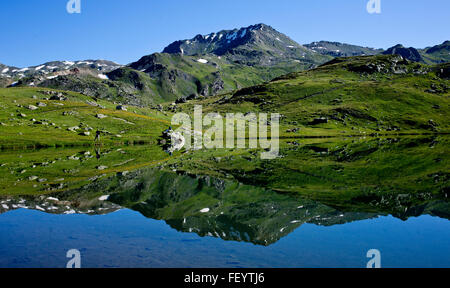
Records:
x=29, y=119
x=362, y=95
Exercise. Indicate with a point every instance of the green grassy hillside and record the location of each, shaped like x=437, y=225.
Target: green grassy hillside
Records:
x=357, y=95
x=27, y=119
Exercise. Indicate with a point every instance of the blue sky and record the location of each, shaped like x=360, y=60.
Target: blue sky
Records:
x=37, y=31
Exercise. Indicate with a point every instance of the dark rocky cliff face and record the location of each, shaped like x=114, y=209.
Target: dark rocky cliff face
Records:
x=408, y=53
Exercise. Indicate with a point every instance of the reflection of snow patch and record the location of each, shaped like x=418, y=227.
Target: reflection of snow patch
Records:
x=40, y=208
x=104, y=198
x=232, y=36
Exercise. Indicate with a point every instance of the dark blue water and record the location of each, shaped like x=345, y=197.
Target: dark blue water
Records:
x=127, y=239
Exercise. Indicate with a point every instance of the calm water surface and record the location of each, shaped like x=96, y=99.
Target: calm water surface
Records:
x=127, y=239
x=322, y=204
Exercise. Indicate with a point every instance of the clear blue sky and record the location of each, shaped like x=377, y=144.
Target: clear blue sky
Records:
x=37, y=31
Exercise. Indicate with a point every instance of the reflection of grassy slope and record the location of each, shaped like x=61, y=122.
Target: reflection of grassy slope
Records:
x=390, y=173
x=321, y=181
x=236, y=212
x=135, y=125
x=62, y=169
x=353, y=102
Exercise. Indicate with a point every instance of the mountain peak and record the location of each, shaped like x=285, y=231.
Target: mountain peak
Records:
x=218, y=42
x=258, y=44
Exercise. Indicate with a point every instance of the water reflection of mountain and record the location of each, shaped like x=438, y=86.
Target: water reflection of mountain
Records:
x=210, y=207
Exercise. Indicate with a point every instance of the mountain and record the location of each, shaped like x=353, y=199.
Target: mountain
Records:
x=444, y=47
x=204, y=66
x=5, y=78
x=430, y=55
x=200, y=67
x=407, y=53
x=57, y=73
x=60, y=67
x=4, y=69
x=254, y=45
x=336, y=49
x=437, y=54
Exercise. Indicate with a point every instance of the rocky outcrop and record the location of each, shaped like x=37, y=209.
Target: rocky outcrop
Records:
x=407, y=53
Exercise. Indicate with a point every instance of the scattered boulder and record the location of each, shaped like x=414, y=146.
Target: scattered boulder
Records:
x=32, y=107
x=58, y=97
x=70, y=113
x=73, y=129
x=294, y=130
x=320, y=120
x=121, y=108
x=40, y=123
x=181, y=100
x=92, y=103
x=101, y=116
